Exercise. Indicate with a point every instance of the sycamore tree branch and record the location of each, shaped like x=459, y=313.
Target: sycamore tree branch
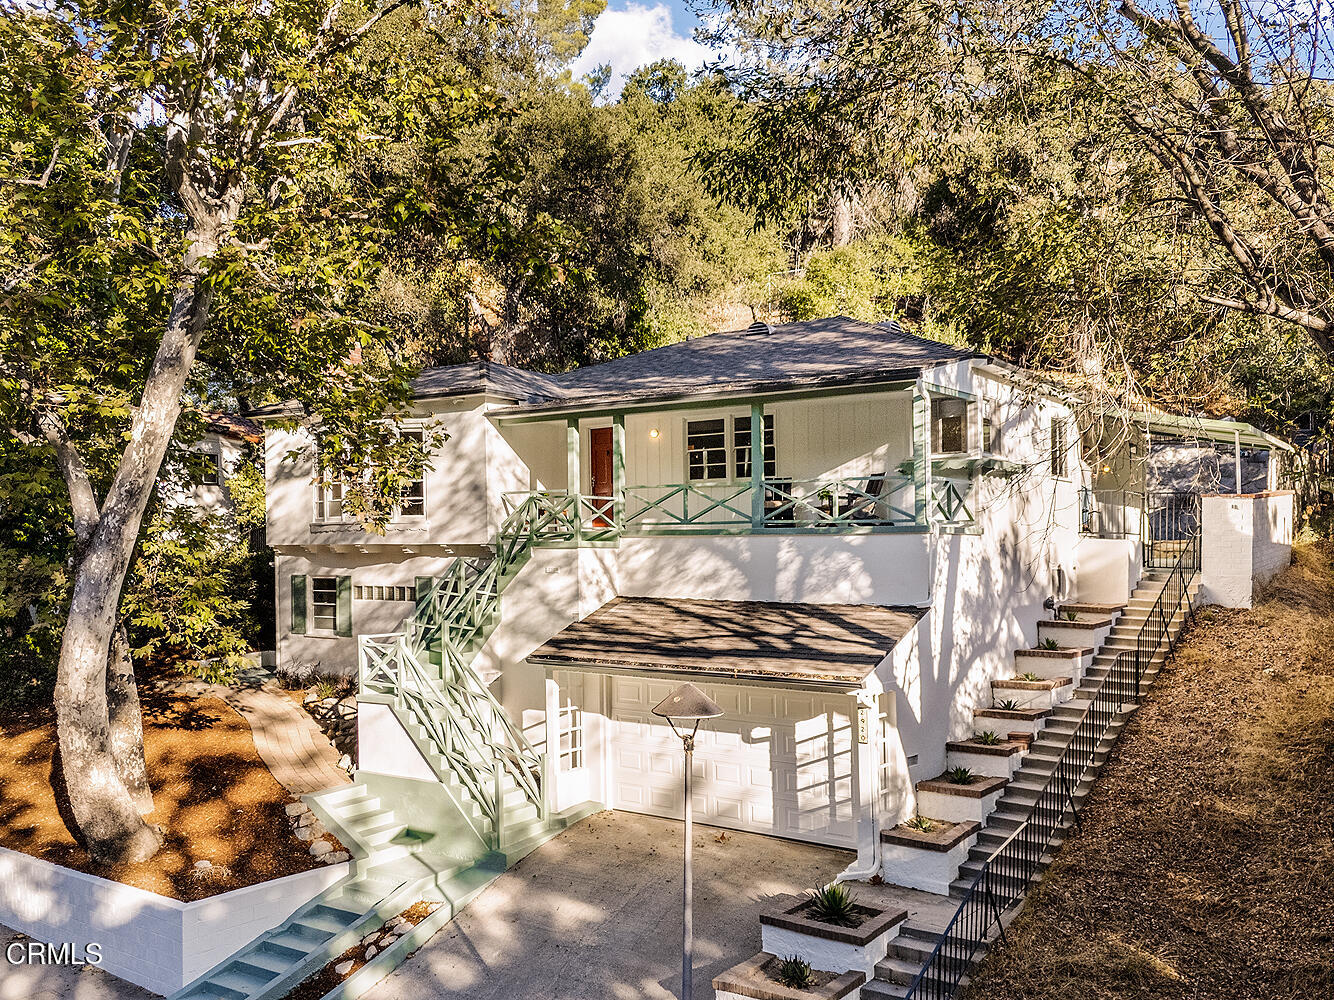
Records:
x=83, y=501
x=45, y=178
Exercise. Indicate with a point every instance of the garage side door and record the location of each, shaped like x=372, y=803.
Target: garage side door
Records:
x=778, y=762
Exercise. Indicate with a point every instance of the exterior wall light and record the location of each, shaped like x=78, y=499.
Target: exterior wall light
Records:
x=653, y=433
x=687, y=704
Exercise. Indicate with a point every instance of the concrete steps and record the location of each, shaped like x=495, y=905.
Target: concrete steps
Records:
x=1058, y=725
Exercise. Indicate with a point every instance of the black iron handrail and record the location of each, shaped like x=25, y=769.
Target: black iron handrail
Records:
x=1010, y=869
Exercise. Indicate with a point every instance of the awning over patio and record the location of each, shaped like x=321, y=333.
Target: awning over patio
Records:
x=829, y=643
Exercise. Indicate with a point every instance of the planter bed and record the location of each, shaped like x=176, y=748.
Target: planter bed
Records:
x=1011, y=720
x=231, y=865
x=1053, y=663
x=943, y=799
x=1093, y=612
x=926, y=860
x=787, y=930
x=991, y=760
x=1077, y=635
x=1041, y=694
x=751, y=980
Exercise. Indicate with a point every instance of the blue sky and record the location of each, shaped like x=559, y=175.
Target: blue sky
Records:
x=632, y=33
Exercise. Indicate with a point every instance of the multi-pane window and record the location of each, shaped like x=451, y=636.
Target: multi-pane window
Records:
x=369, y=592
x=205, y=467
x=571, y=733
x=741, y=446
x=324, y=602
x=413, y=502
x=949, y=425
x=706, y=449
x=1060, y=450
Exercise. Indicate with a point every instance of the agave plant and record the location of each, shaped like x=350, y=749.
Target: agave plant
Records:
x=959, y=776
x=1070, y=616
x=1009, y=705
x=1028, y=675
x=989, y=738
x=921, y=823
x=794, y=973
x=833, y=904
x=1049, y=644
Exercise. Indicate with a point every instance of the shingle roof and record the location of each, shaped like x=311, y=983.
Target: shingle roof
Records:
x=832, y=643
x=483, y=376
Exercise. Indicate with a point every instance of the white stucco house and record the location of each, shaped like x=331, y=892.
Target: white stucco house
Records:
x=847, y=584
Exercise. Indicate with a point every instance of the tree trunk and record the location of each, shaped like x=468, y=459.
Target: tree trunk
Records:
x=126, y=723
x=104, y=811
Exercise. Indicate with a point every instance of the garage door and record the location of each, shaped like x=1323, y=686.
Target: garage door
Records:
x=778, y=762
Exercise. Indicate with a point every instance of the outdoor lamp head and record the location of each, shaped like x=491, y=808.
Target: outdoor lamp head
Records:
x=687, y=703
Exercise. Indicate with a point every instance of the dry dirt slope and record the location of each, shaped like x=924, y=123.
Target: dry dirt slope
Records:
x=1205, y=867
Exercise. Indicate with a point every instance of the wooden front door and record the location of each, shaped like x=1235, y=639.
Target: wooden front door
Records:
x=599, y=442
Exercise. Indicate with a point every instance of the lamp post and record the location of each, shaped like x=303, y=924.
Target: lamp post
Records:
x=687, y=704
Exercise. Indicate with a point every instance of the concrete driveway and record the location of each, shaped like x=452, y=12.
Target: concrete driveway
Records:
x=596, y=913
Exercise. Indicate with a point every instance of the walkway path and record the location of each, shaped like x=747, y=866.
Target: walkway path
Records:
x=288, y=740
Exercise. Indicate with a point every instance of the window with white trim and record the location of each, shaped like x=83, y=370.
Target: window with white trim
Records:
x=413, y=501
x=949, y=425
x=571, y=723
x=706, y=449
x=205, y=468
x=1060, y=449
x=324, y=603
x=741, y=447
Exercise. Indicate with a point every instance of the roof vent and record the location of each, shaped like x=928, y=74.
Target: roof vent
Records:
x=759, y=329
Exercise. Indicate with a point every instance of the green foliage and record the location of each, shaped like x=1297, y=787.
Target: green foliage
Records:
x=188, y=596
x=833, y=904
x=959, y=776
x=1008, y=705
x=794, y=973
x=1069, y=616
x=245, y=487
x=1028, y=675
x=920, y=823
x=1049, y=644
x=989, y=737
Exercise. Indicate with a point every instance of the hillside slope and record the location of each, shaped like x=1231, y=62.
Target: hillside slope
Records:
x=1205, y=866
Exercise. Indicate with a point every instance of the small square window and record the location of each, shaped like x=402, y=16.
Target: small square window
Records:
x=949, y=426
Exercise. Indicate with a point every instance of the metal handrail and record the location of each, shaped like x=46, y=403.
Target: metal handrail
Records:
x=1010, y=869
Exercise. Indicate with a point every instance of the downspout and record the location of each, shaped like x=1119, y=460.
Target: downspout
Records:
x=868, y=788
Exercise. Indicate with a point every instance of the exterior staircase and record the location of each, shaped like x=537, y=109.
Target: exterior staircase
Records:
x=1054, y=730
x=496, y=781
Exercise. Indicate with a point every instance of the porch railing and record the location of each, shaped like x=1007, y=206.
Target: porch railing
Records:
x=1111, y=513
x=1006, y=875
x=830, y=503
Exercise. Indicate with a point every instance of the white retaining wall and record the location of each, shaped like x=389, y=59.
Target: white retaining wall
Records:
x=1245, y=540
x=152, y=941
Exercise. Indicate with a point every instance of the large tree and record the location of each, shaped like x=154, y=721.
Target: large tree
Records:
x=1226, y=97
x=192, y=202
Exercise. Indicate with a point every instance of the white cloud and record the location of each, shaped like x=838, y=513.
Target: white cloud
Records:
x=634, y=37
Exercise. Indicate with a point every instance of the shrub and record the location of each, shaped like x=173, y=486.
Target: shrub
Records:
x=294, y=674
x=833, y=904
x=959, y=776
x=795, y=973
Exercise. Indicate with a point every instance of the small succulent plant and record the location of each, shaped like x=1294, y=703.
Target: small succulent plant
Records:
x=1070, y=616
x=833, y=904
x=1049, y=644
x=959, y=776
x=795, y=973
x=1009, y=705
x=921, y=823
x=989, y=738
x=1028, y=675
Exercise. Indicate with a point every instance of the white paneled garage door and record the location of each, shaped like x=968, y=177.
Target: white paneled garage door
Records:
x=778, y=762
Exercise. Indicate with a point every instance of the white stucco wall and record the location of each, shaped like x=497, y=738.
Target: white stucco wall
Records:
x=1106, y=570
x=150, y=940
x=1245, y=540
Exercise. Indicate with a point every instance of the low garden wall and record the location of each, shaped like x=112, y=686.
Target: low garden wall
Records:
x=146, y=939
